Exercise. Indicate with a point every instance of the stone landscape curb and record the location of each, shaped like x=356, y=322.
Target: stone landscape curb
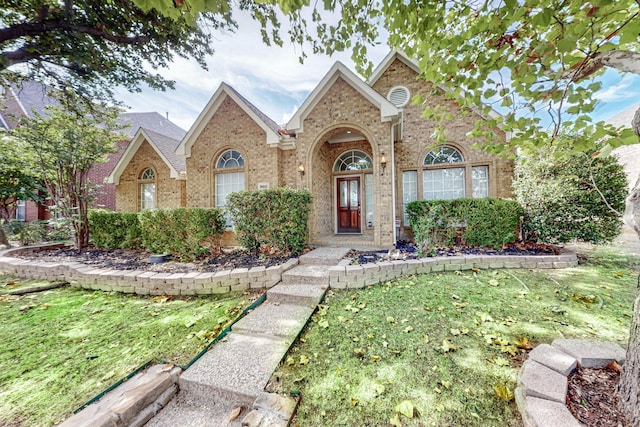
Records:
x=542, y=381
x=341, y=276
x=133, y=403
x=143, y=282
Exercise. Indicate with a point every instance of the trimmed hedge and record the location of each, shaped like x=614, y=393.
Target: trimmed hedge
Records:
x=271, y=219
x=185, y=233
x=114, y=230
x=476, y=222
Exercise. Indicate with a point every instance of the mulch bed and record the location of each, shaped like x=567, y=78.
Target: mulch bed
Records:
x=592, y=399
x=139, y=260
x=407, y=250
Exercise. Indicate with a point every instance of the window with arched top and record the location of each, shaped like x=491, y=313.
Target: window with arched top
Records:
x=147, y=188
x=442, y=155
x=353, y=160
x=228, y=178
x=446, y=174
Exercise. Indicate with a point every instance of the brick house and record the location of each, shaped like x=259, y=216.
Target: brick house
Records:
x=361, y=148
x=22, y=100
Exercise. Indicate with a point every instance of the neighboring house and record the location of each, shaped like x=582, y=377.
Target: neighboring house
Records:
x=361, y=148
x=19, y=101
x=628, y=155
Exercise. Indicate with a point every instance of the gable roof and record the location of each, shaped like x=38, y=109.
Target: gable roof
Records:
x=388, y=60
x=152, y=121
x=163, y=145
x=271, y=128
x=19, y=100
x=388, y=111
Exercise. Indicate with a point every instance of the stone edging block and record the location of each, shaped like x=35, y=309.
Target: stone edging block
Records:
x=542, y=381
x=133, y=402
x=143, y=282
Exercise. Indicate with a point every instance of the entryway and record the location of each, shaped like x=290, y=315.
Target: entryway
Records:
x=349, y=205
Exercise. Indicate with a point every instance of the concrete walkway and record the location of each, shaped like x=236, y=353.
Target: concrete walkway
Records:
x=234, y=373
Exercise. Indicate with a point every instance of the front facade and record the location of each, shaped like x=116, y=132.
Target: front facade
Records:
x=361, y=148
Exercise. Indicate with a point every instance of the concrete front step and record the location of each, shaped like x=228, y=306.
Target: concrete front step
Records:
x=235, y=370
x=307, y=295
x=323, y=256
x=307, y=275
x=186, y=411
x=275, y=320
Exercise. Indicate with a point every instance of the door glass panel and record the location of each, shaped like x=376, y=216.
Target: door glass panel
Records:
x=354, y=193
x=344, y=196
x=368, y=189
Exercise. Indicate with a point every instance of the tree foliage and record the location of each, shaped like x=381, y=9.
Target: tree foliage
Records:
x=571, y=196
x=65, y=145
x=92, y=46
x=17, y=180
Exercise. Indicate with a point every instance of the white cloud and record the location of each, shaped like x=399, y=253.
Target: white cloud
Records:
x=620, y=90
x=272, y=78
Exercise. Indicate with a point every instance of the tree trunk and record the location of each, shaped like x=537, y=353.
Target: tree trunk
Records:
x=3, y=237
x=629, y=385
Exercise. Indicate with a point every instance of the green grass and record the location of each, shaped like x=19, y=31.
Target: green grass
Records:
x=62, y=347
x=445, y=343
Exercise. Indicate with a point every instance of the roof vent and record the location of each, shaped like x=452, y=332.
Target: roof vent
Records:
x=399, y=96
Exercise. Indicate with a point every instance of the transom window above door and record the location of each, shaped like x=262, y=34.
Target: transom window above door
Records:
x=353, y=160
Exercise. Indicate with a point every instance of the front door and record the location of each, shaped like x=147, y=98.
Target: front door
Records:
x=349, y=205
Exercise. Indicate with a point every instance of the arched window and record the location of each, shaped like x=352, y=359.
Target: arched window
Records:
x=147, y=185
x=229, y=177
x=353, y=160
x=443, y=183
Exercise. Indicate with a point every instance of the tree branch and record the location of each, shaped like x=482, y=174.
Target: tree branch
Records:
x=38, y=28
x=621, y=60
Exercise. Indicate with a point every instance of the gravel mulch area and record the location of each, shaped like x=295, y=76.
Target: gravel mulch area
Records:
x=139, y=260
x=408, y=250
x=592, y=399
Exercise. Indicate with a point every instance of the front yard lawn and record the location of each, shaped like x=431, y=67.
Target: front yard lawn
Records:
x=61, y=347
x=445, y=349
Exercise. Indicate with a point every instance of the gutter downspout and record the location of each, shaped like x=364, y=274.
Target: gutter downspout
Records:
x=393, y=183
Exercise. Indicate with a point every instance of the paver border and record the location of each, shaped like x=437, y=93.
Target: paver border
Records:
x=543, y=379
x=343, y=275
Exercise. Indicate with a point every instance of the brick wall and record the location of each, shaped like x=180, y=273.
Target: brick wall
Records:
x=416, y=141
x=169, y=191
x=343, y=108
x=106, y=194
x=230, y=128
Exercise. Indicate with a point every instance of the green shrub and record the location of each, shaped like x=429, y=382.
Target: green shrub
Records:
x=571, y=197
x=115, y=230
x=276, y=218
x=186, y=233
x=477, y=222
x=26, y=233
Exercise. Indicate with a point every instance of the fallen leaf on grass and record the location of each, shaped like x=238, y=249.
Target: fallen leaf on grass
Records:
x=448, y=346
x=405, y=408
x=395, y=421
x=523, y=343
x=503, y=392
x=290, y=361
x=304, y=360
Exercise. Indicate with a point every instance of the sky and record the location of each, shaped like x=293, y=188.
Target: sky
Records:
x=273, y=79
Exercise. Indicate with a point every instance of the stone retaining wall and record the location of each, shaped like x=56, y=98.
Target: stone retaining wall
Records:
x=145, y=282
x=341, y=276
x=358, y=276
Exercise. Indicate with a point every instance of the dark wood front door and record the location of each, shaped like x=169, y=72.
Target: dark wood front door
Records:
x=349, y=205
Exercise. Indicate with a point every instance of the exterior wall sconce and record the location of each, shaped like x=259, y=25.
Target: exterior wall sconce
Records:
x=383, y=163
x=301, y=170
